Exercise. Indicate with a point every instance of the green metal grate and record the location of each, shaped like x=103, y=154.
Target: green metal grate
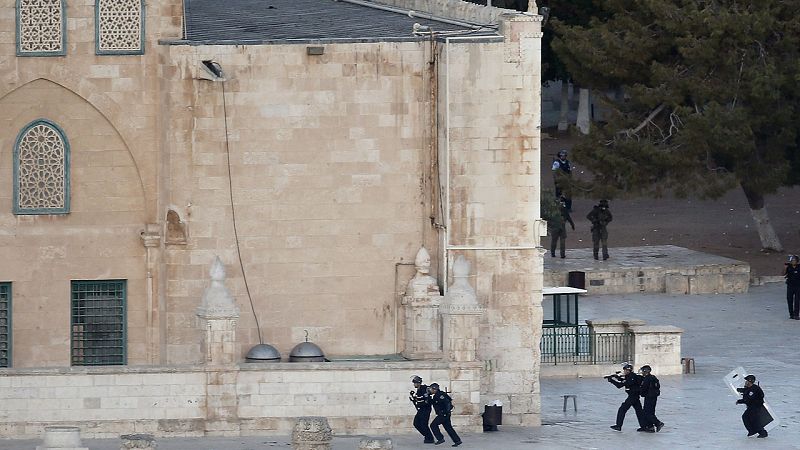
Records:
x=98, y=323
x=5, y=324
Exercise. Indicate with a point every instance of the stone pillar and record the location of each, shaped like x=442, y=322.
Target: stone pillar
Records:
x=311, y=433
x=659, y=347
x=461, y=315
x=584, y=115
x=61, y=438
x=218, y=314
x=422, y=329
x=151, y=238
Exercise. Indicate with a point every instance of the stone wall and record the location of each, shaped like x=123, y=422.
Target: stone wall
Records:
x=261, y=398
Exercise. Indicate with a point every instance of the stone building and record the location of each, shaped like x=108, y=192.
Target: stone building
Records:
x=314, y=146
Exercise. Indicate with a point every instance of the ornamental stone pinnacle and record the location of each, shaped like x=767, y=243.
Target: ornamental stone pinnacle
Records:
x=217, y=300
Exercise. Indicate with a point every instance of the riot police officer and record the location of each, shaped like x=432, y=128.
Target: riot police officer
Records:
x=443, y=405
x=600, y=216
x=753, y=417
x=562, y=178
x=422, y=401
x=792, y=275
x=632, y=383
x=650, y=390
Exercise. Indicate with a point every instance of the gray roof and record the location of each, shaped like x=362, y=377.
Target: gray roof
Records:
x=268, y=21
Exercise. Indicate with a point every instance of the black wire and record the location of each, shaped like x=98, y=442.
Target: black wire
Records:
x=233, y=213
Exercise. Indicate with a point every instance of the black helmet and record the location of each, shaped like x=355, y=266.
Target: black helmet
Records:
x=434, y=386
x=604, y=202
x=750, y=378
x=646, y=368
x=416, y=379
x=562, y=153
x=627, y=367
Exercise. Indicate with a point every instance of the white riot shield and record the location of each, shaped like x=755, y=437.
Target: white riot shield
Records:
x=735, y=380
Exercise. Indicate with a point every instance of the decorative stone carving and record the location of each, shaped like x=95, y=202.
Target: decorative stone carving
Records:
x=119, y=26
x=142, y=441
x=422, y=285
x=40, y=27
x=176, y=229
x=461, y=298
x=311, y=433
x=150, y=236
x=217, y=299
x=422, y=329
x=41, y=170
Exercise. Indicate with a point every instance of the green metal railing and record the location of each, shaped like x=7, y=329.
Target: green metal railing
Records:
x=580, y=345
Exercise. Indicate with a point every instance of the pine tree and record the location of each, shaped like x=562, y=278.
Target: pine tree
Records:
x=704, y=97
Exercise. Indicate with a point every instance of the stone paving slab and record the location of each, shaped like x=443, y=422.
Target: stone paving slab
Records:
x=721, y=332
x=650, y=269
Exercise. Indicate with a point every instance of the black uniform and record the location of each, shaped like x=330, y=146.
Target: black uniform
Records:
x=755, y=414
x=422, y=401
x=650, y=390
x=443, y=405
x=600, y=216
x=557, y=227
x=632, y=384
x=792, y=275
x=562, y=178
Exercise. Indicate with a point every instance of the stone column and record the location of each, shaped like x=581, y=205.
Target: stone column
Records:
x=218, y=314
x=151, y=238
x=422, y=329
x=584, y=115
x=461, y=315
x=311, y=433
x=659, y=347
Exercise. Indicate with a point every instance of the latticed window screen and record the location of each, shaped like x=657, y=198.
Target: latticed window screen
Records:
x=120, y=27
x=41, y=170
x=40, y=28
x=5, y=324
x=98, y=323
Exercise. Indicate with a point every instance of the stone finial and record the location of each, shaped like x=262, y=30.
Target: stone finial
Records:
x=311, y=433
x=532, y=8
x=217, y=299
x=461, y=297
x=422, y=285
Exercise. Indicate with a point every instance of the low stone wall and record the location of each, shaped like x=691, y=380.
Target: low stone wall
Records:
x=249, y=399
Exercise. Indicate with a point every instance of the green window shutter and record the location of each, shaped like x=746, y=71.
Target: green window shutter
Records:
x=99, y=330
x=5, y=324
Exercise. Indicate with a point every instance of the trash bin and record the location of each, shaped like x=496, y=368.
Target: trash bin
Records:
x=492, y=417
x=576, y=279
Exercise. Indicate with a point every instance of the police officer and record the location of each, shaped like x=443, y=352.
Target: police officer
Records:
x=632, y=383
x=443, y=405
x=557, y=227
x=650, y=390
x=792, y=275
x=600, y=216
x=753, y=397
x=562, y=178
x=422, y=401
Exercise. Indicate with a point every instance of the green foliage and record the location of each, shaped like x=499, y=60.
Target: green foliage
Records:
x=575, y=13
x=705, y=94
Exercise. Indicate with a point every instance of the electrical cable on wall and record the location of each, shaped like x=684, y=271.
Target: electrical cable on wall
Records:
x=233, y=212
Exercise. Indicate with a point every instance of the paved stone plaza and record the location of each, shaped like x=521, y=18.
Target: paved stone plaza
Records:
x=721, y=332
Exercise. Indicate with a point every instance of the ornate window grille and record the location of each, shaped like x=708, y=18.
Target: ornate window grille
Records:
x=41, y=28
x=5, y=324
x=119, y=27
x=41, y=169
x=99, y=332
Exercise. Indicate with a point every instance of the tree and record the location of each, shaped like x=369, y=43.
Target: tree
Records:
x=707, y=98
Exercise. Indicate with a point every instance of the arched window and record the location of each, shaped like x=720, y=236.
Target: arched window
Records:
x=41, y=169
x=41, y=28
x=119, y=27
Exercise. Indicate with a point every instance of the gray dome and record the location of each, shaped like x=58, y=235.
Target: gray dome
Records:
x=263, y=353
x=306, y=351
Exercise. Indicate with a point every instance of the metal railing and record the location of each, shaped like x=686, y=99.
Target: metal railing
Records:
x=581, y=345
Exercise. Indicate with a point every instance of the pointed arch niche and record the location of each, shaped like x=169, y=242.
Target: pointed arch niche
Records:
x=41, y=169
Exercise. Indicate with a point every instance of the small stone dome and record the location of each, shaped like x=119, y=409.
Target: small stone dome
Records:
x=306, y=352
x=263, y=353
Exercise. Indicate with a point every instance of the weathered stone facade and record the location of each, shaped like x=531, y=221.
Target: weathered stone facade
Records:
x=336, y=168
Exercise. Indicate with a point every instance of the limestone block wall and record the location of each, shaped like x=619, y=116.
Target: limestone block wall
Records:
x=357, y=398
x=490, y=99
x=107, y=107
x=326, y=166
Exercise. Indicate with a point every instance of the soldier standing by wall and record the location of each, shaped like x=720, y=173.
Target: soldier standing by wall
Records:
x=755, y=414
x=650, y=390
x=562, y=178
x=422, y=401
x=443, y=405
x=792, y=274
x=600, y=216
x=632, y=383
x=557, y=228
